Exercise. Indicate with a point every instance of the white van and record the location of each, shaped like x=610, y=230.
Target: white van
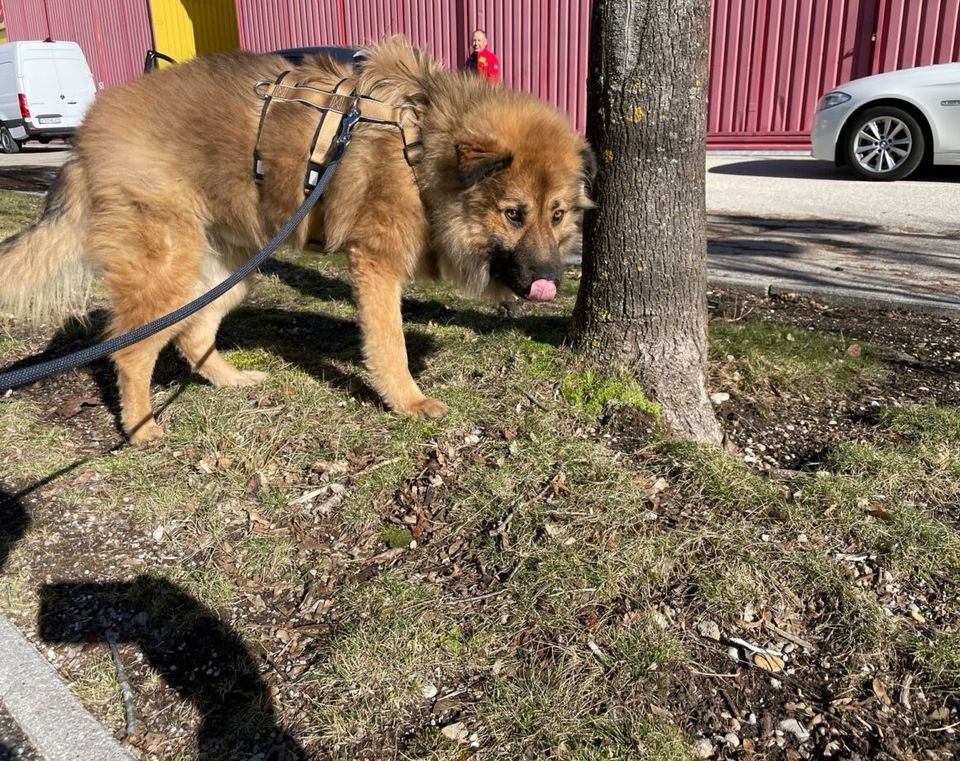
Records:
x=45, y=88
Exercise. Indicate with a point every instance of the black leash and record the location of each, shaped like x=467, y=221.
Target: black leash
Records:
x=24, y=375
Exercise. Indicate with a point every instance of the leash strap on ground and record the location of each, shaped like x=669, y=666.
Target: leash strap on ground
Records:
x=24, y=375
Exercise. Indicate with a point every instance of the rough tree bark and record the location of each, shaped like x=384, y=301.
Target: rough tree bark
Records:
x=642, y=300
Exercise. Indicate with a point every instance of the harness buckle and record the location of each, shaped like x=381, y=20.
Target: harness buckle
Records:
x=346, y=132
x=315, y=169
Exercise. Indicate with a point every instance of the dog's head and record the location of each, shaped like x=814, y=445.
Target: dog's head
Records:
x=520, y=181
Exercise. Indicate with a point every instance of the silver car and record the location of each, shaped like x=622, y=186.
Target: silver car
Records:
x=883, y=127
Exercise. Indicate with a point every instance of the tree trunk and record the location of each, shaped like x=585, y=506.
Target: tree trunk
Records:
x=642, y=300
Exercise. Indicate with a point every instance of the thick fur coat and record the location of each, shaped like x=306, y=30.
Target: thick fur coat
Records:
x=158, y=201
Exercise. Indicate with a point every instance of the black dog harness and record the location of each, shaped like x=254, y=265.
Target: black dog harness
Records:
x=341, y=106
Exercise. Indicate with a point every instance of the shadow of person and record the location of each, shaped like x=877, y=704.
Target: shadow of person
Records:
x=193, y=650
x=14, y=522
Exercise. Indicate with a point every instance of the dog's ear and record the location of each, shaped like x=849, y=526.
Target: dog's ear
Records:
x=589, y=159
x=588, y=173
x=478, y=160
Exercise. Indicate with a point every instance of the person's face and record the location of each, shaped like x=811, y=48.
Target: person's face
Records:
x=479, y=41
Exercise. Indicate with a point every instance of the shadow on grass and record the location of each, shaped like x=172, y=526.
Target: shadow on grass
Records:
x=550, y=329
x=14, y=522
x=324, y=346
x=189, y=646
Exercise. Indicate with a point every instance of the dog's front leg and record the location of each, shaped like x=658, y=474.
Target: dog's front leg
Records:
x=377, y=293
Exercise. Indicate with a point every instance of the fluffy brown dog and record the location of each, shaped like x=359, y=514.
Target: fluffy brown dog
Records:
x=158, y=200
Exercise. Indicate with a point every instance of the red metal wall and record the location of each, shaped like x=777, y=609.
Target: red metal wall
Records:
x=114, y=34
x=911, y=33
x=771, y=60
x=542, y=44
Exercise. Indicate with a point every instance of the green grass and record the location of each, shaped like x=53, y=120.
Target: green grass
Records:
x=558, y=715
x=938, y=658
x=763, y=357
x=17, y=211
x=573, y=611
x=927, y=425
x=398, y=650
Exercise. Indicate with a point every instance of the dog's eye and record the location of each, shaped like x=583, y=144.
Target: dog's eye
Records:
x=514, y=216
x=558, y=216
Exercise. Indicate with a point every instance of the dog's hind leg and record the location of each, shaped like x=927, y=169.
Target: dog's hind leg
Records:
x=151, y=263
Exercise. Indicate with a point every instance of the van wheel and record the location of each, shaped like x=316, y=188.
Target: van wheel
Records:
x=7, y=143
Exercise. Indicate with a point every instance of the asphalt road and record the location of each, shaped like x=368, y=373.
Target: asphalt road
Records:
x=799, y=187
x=779, y=223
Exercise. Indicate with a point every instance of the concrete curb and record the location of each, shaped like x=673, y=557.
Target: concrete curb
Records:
x=42, y=706
x=838, y=296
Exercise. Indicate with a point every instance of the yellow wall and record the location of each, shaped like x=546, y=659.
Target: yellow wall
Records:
x=185, y=28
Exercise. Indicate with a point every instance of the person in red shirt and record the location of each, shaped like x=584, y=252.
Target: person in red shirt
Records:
x=481, y=60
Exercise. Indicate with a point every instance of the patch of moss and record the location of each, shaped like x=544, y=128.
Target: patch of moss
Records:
x=589, y=392
x=252, y=359
x=396, y=537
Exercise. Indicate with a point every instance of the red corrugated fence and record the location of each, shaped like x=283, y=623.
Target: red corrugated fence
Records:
x=542, y=44
x=770, y=60
x=114, y=34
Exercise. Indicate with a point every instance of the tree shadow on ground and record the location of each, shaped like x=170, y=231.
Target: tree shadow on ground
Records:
x=802, y=167
x=197, y=655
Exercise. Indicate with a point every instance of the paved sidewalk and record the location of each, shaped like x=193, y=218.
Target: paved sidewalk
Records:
x=39, y=715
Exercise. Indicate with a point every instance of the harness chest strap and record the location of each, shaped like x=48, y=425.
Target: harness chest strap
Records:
x=335, y=106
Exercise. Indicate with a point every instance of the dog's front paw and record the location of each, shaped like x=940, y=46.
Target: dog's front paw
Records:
x=252, y=377
x=147, y=434
x=426, y=408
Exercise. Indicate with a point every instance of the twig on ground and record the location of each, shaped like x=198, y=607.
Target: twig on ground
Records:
x=905, y=692
x=477, y=598
x=125, y=689
x=791, y=637
x=947, y=728
x=535, y=401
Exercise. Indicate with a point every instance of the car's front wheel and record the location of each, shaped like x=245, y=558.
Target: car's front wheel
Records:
x=884, y=143
x=7, y=142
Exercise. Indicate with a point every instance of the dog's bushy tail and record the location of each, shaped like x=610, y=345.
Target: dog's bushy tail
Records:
x=43, y=275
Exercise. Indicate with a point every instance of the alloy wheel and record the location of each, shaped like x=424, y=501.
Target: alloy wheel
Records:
x=883, y=144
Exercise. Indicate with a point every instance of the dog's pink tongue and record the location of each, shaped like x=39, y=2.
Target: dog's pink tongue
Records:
x=542, y=290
